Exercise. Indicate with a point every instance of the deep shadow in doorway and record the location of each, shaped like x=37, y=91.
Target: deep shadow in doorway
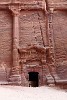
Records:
x=33, y=79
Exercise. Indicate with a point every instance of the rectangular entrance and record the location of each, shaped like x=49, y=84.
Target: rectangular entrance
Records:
x=33, y=79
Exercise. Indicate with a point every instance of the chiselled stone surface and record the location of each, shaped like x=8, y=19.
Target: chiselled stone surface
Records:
x=6, y=38
x=33, y=38
x=60, y=39
x=60, y=35
x=5, y=44
x=32, y=27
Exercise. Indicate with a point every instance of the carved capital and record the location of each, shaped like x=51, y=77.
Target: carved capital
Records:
x=51, y=10
x=44, y=5
x=15, y=9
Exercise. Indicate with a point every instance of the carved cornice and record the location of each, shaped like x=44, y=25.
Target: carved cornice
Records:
x=34, y=5
x=51, y=10
x=34, y=53
x=3, y=6
x=15, y=9
x=58, y=6
x=25, y=5
x=38, y=48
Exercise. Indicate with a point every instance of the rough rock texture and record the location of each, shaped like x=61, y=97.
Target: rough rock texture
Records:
x=33, y=38
x=32, y=26
x=5, y=42
x=5, y=37
x=60, y=41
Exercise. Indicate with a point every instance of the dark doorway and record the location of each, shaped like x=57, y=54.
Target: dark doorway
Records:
x=33, y=79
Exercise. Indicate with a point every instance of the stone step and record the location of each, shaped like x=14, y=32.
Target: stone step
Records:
x=4, y=83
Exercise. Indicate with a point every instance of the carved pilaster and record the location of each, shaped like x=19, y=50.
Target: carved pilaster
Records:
x=51, y=45
x=15, y=69
x=45, y=34
x=50, y=19
x=51, y=38
x=47, y=31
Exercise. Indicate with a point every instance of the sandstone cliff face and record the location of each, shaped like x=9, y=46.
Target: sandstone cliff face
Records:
x=32, y=25
x=5, y=37
x=5, y=44
x=35, y=27
x=60, y=38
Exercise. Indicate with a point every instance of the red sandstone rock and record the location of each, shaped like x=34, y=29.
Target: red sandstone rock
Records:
x=33, y=38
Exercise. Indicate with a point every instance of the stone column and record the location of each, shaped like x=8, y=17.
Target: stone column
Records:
x=15, y=41
x=51, y=35
x=44, y=34
x=51, y=45
x=15, y=74
x=47, y=29
x=47, y=77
